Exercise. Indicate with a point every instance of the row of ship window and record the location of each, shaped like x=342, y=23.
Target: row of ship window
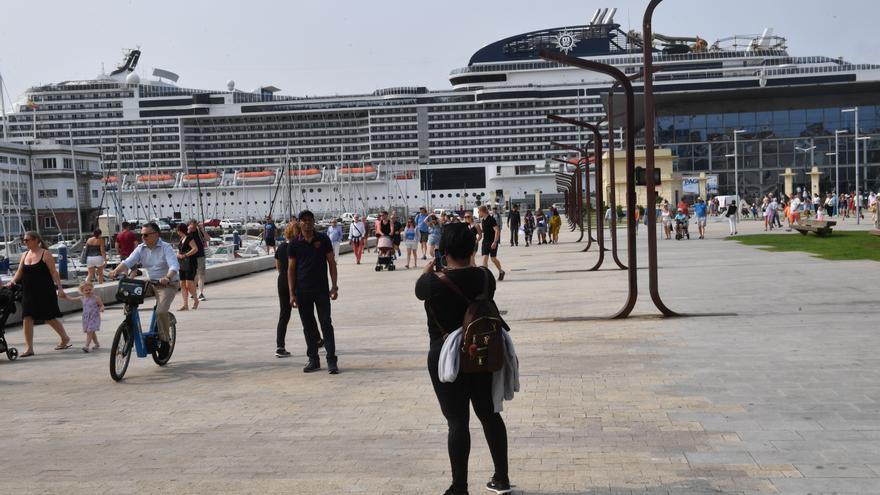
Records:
x=41, y=96
x=53, y=193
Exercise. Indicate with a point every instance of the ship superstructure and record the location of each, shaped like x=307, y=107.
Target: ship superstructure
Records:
x=218, y=153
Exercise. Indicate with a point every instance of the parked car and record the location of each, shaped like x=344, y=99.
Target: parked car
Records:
x=163, y=225
x=214, y=222
x=227, y=223
x=560, y=207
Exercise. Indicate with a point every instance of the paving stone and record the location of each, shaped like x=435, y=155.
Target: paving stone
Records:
x=750, y=402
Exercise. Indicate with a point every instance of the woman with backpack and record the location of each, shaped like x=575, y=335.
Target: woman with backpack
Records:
x=445, y=307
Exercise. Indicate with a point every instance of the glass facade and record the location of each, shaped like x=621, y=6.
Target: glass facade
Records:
x=773, y=141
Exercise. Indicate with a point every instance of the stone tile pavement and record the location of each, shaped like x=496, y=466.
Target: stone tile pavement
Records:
x=778, y=394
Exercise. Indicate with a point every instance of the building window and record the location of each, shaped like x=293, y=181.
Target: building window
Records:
x=47, y=193
x=49, y=222
x=49, y=163
x=70, y=193
x=67, y=163
x=94, y=193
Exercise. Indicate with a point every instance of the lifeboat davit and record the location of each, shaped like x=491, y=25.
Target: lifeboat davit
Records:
x=306, y=175
x=163, y=180
x=208, y=179
x=261, y=177
x=358, y=173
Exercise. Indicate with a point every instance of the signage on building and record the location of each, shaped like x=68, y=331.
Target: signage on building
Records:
x=691, y=184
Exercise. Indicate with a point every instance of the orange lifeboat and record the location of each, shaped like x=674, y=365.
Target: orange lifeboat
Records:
x=260, y=177
x=358, y=173
x=111, y=182
x=306, y=174
x=163, y=180
x=409, y=174
x=208, y=179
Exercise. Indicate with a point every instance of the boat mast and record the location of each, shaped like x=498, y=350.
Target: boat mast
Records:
x=76, y=184
x=3, y=110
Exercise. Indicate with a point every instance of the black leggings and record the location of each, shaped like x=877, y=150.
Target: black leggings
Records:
x=454, y=401
x=283, y=314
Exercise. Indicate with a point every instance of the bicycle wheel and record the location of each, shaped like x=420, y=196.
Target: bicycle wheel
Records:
x=162, y=351
x=120, y=352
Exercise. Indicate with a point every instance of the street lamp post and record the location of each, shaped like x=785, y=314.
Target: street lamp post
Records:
x=837, y=133
x=855, y=111
x=736, y=169
x=806, y=166
x=865, y=164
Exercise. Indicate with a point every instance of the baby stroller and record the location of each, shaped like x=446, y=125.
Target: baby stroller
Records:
x=385, y=248
x=8, y=298
x=681, y=229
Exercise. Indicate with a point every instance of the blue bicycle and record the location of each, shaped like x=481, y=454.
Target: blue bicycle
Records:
x=132, y=292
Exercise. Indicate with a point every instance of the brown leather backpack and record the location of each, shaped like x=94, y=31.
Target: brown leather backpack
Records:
x=482, y=345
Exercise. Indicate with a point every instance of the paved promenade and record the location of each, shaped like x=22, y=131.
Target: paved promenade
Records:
x=772, y=386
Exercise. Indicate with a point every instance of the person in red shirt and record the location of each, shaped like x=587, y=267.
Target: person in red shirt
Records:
x=125, y=241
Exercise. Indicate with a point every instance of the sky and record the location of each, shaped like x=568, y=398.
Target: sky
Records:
x=327, y=47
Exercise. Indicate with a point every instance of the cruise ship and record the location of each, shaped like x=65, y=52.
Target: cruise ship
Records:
x=170, y=151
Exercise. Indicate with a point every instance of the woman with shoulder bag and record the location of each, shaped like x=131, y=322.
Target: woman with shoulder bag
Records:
x=446, y=309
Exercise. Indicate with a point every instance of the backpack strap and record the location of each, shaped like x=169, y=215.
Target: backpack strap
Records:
x=449, y=283
x=485, y=295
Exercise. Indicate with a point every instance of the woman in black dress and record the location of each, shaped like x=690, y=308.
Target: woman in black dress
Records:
x=187, y=253
x=40, y=283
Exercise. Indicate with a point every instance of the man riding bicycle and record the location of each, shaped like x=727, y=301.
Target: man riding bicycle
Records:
x=159, y=259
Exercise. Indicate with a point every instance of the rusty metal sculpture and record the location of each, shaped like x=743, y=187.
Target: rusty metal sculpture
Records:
x=647, y=36
x=597, y=153
x=630, y=145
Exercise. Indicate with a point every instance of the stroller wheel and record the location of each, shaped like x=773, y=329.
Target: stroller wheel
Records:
x=391, y=268
x=12, y=353
x=378, y=268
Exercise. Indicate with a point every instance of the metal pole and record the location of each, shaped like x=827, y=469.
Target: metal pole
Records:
x=650, y=125
x=858, y=201
x=836, y=174
x=76, y=184
x=736, y=172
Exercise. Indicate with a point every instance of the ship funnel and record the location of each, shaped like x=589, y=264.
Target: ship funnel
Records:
x=610, y=17
x=601, y=17
x=595, y=16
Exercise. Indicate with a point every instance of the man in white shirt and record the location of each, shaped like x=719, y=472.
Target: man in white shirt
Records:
x=159, y=259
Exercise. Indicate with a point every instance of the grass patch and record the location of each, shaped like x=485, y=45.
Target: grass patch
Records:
x=840, y=245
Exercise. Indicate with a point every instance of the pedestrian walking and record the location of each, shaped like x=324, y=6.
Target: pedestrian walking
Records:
x=396, y=233
x=700, y=214
x=513, y=222
x=445, y=309
x=187, y=250
x=291, y=232
x=125, y=241
x=411, y=243
x=96, y=256
x=92, y=307
x=541, y=226
x=310, y=257
x=555, y=223
x=41, y=287
x=357, y=237
x=198, y=229
x=528, y=227
x=270, y=231
x=491, y=235
x=475, y=229
x=334, y=232
x=424, y=230
x=434, y=232
x=666, y=220
x=730, y=213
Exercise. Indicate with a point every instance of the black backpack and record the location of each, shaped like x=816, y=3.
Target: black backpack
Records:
x=482, y=345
